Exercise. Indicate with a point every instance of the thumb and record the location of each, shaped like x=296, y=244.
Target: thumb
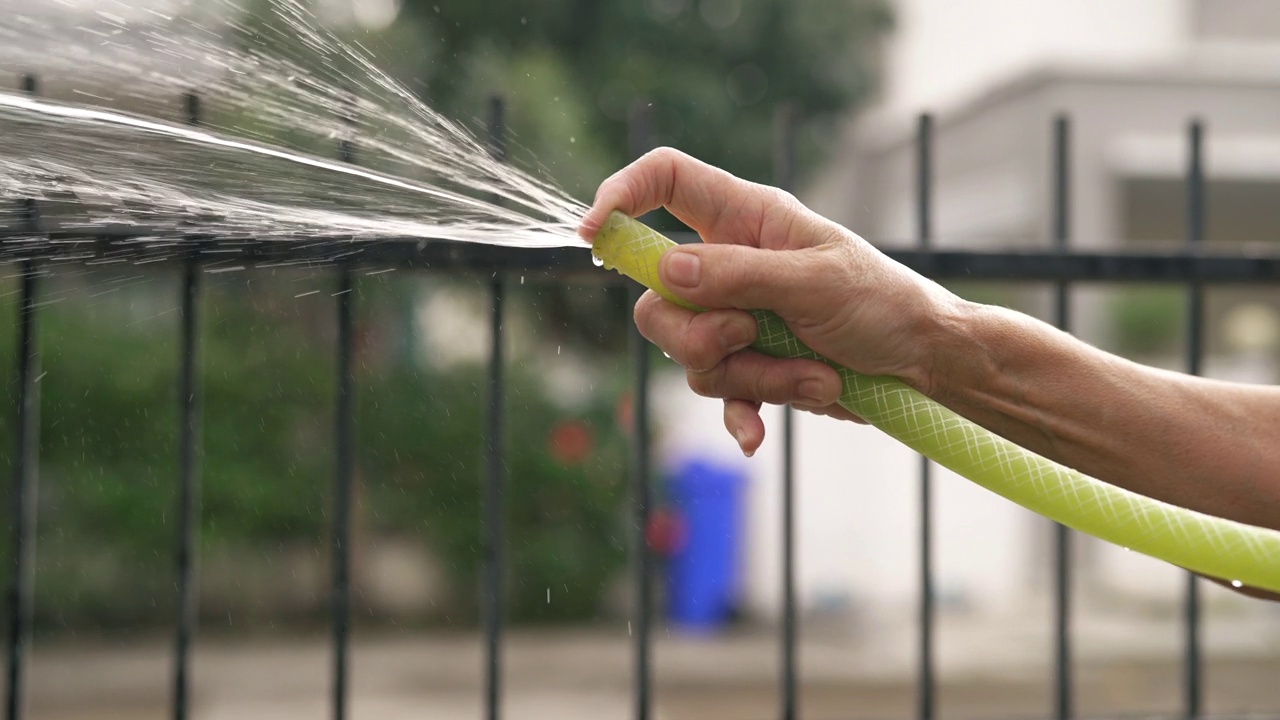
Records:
x=791, y=282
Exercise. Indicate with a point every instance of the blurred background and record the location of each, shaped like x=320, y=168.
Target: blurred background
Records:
x=714, y=72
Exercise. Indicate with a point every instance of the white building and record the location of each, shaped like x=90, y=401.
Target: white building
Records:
x=994, y=73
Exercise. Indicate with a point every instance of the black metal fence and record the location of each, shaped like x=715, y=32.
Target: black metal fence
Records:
x=28, y=243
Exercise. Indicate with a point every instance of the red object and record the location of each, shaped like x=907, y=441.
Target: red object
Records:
x=570, y=442
x=624, y=413
x=667, y=533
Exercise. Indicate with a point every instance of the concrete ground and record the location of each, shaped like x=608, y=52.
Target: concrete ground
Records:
x=987, y=667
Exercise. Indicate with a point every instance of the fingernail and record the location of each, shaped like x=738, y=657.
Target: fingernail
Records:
x=741, y=436
x=813, y=391
x=684, y=269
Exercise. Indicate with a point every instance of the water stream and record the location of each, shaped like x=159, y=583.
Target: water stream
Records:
x=280, y=99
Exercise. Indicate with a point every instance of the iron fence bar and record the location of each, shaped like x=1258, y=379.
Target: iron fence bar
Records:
x=640, y=139
x=1176, y=266
x=340, y=539
x=344, y=480
x=1192, y=686
x=1062, y=319
x=924, y=210
x=495, y=476
x=1191, y=266
x=784, y=164
x=25, y=479
x=189, y=455
x=26, y=470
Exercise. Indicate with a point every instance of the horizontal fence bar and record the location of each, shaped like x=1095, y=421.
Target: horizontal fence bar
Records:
x=112, y=244
x=1103, y=267
x=1180, y=265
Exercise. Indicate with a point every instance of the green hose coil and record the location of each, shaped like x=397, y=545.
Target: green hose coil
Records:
x=1202, y=543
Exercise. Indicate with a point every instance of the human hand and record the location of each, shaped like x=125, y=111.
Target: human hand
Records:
x=764, y=250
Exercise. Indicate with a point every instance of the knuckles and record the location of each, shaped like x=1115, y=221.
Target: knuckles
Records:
x=693, y=340
x=707, y=383
x=700, y=344
x=664, y=155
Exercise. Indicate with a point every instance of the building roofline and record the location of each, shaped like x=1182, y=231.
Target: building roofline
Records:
x=890, y=129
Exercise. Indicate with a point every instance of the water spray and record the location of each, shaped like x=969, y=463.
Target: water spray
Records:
x=1212, y=546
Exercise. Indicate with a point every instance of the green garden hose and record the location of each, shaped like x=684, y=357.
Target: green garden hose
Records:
x=1205, y=544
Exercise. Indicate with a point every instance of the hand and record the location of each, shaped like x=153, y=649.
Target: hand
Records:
x=764, y=250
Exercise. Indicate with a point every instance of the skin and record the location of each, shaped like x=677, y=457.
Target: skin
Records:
x=1202, y=444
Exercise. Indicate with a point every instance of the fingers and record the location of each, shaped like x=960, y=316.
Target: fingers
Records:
x=698, y=341
x=742, y=420
x=746, y=379
x=692, y=190
x=752, y=376
x=709, y=344
x=799, y=283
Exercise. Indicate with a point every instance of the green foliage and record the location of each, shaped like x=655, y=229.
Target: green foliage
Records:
x=110, y=434
x=572, y=71
x=423, y=469
x=715, y=70
x=714, y=73
x=1148, y=319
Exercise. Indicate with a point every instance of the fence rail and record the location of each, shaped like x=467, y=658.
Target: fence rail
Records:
x=39, y=247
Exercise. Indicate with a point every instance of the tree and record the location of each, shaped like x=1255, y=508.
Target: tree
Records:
x=714, y=70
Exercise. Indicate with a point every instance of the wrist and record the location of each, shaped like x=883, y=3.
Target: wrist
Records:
x=946, y=337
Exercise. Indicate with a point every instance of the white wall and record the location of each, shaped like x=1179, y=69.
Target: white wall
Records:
x=944, y=51
x=857, y=519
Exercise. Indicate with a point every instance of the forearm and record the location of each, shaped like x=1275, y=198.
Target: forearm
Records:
x=1205, y=445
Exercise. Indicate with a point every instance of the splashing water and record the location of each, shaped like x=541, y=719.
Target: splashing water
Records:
x=259, y=167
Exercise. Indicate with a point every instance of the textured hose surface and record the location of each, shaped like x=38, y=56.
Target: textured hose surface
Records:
x=1203, y=543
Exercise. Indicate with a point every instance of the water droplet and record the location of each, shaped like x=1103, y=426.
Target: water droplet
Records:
x=521, y=279
x=666, y=355
x=1127, y=550
x=557, y=349
x=1236, y=584
x=595, y=259
x=548, y=596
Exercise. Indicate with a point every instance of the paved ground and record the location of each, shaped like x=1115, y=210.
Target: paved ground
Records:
x=995, y=668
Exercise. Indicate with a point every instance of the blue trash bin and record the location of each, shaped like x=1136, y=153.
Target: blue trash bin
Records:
x=703, y=572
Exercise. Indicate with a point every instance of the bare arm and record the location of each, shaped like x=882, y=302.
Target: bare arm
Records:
x=1202, y=444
